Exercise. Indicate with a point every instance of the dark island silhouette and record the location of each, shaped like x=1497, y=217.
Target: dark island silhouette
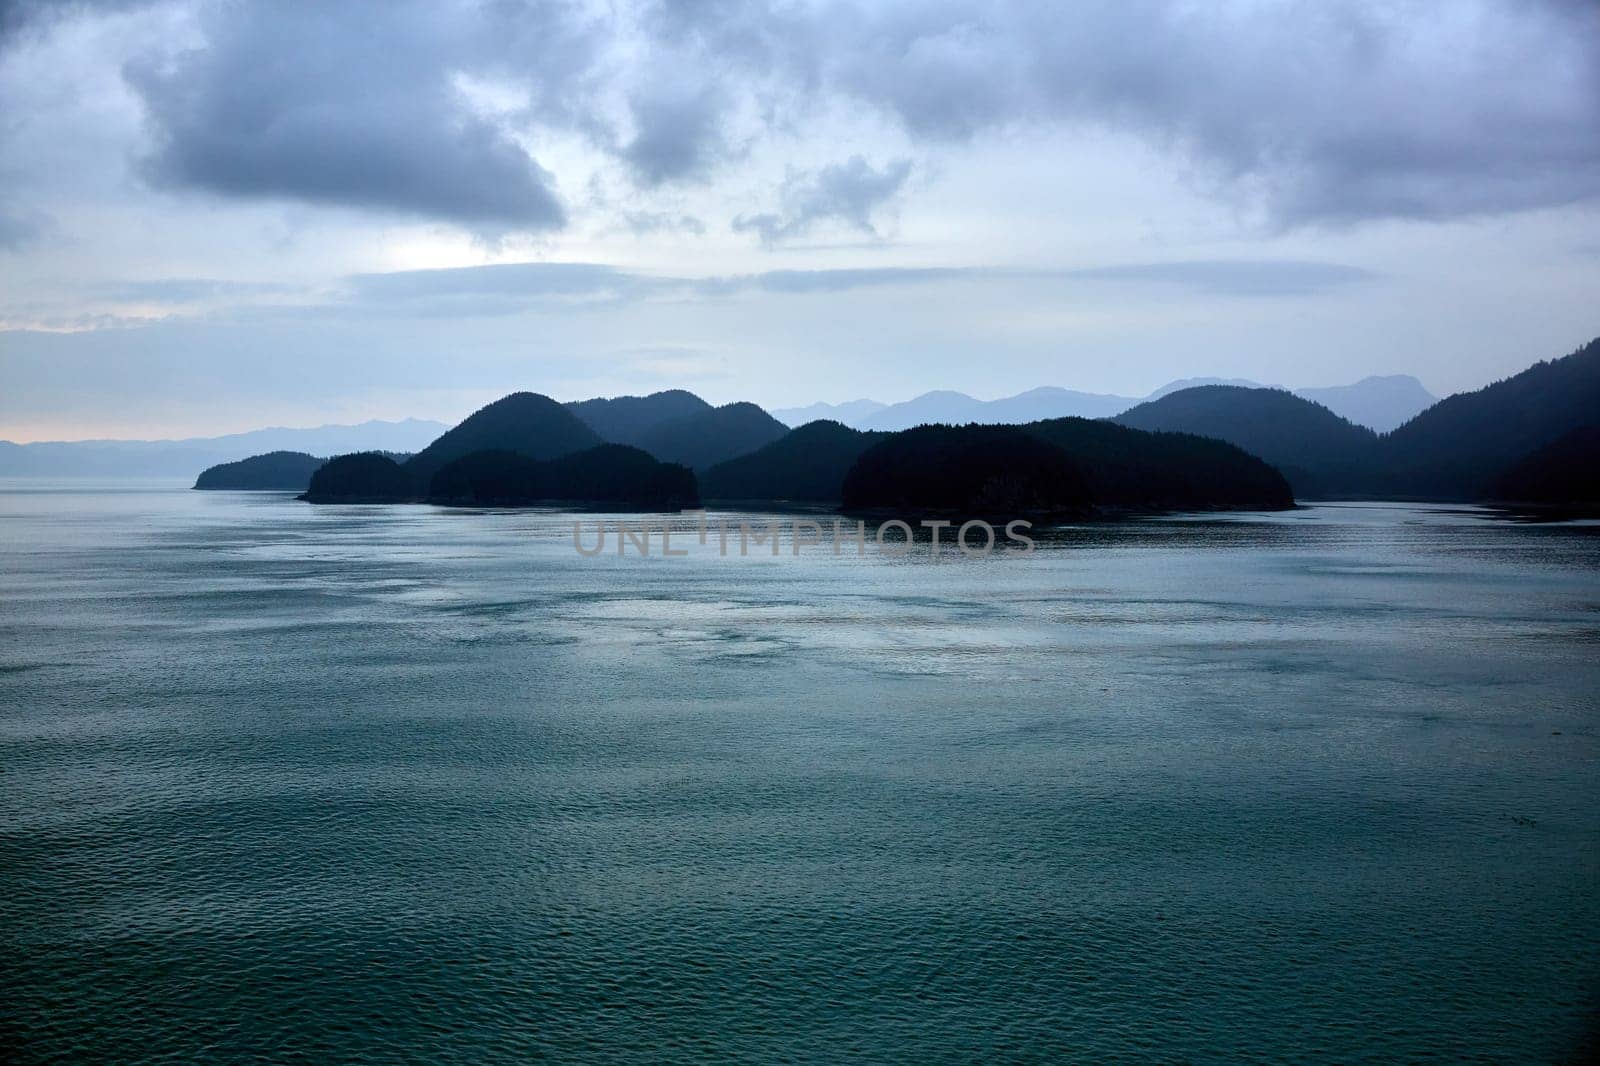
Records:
x=968, y=471
x=1064, y=466
x=287, y=471
x=606, y=475
x=364, y=477
x=1130, y=469
x=1527, y=439
x=1119, y=468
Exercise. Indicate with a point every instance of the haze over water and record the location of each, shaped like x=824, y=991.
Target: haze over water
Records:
x=426, y=784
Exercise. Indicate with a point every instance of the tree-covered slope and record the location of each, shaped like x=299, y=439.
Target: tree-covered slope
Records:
x=808, y=463
x=1131, y=468
x=1319, y=452
x=364, y=477
x=1457, y=447
x=701, y=441
x=1565, y=471
x=290, y=471
x=1000, y=471
x=626, y=419
x=523, y=422
x=609, y=474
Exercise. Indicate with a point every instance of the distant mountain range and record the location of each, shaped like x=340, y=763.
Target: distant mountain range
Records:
x=1379, y=403
x=186, y=458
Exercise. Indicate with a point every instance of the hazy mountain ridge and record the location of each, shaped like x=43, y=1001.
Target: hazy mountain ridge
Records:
x=1380, y=403
x=846, y=414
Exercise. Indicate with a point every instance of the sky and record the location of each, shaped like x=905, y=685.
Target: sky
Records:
x=222, y=214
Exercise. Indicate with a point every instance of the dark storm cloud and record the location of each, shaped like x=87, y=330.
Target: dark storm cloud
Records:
x=846, y=193
x=342, y=104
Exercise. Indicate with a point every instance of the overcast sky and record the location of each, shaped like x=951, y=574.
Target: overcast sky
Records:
x=216, y=216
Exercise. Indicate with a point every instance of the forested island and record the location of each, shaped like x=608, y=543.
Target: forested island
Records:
x=287, y=471
x=521, y=450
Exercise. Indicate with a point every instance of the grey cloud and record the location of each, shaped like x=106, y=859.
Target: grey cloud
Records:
x=345, y=104
x=19, y=16
x=1306, y=111
x=1300, y=111
x=679, y=133
x=845, y=193
x=1297, y=112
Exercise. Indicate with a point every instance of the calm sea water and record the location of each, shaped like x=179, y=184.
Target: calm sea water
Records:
x=409, y=784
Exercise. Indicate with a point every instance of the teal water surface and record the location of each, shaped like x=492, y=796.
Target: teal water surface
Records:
x=407, y=784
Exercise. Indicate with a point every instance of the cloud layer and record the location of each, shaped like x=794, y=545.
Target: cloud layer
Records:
x=1293, y=111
